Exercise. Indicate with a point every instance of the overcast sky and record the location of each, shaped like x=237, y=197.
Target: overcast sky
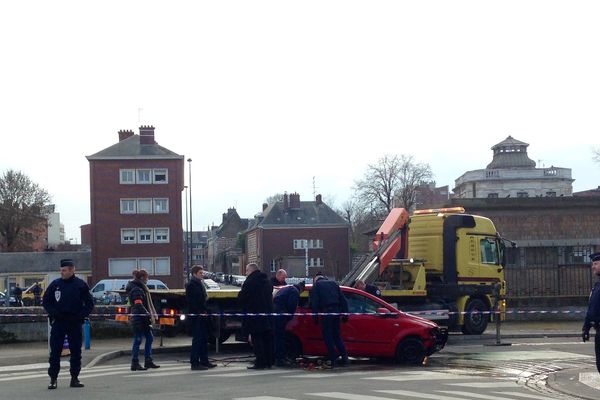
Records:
x=266, y=95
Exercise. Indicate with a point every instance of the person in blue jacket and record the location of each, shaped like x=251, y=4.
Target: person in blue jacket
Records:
x=68, y=302
x=592, y=317
x=326, y=297
x=285, y=302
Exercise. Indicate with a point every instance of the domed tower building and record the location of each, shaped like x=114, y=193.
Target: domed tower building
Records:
x=513, y=174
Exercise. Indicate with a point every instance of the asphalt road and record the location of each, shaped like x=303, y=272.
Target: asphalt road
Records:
x=470, y=371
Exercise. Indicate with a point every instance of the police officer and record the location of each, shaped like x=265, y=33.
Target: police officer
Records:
x=18, y=293
x=37, y=294
x=592, y=318
x=285, y=301
x=327, y=297
x=196, y=296
x=68, y=302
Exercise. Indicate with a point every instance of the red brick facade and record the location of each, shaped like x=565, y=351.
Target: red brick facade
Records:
x=108, y=220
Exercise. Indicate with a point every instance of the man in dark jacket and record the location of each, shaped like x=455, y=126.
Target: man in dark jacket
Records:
x=18, y=293
x=279, y=278
x=68, y=302
x=196, y=296
x=256, y=296
x=37, y=294
x=592, y=317
x=371, y=289
x=285, y=302
x=327, y=297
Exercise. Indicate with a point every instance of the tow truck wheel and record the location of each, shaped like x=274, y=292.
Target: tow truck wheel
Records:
x=410, y=351
x=293, y=347
x=476, y=317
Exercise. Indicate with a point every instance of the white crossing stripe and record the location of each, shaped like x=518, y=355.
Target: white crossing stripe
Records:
x=525, y=395
x=349, y=396
x=262, y=398
x=420, y=376
x=477, y=395
x=407, y=393
x=591, y=379
x=29, y=367
x=488, y=385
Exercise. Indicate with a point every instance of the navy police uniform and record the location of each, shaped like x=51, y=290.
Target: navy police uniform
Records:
x=327, y=297
x=68, y=302
x=592, y=317
x=285, y=302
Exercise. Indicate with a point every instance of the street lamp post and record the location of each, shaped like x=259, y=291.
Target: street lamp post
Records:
x=187, y=238
x=306, y=256
x=191, y=244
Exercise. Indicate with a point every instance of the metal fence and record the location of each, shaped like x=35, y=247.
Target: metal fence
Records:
x=548, y=281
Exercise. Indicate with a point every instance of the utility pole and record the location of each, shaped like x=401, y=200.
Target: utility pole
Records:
x=306, y=256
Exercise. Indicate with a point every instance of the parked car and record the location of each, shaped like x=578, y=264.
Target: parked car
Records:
x=210, y=284
x=380, y=331
x=106, y=290
x=11, y=299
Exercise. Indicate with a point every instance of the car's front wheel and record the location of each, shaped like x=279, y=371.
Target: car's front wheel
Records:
x=410, y=351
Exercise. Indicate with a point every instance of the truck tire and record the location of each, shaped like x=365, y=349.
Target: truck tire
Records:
x=410, y=351
x=476, y=317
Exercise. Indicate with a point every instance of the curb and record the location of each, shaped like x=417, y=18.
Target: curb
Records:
x=111, y=355
x=458, y=339
x=554, y=385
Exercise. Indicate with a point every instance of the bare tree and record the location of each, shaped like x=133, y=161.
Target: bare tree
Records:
x=23, y=206
x=391, y=182
x=596, y=154
x=274, y=198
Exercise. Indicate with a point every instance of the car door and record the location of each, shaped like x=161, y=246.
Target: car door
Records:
x=368, y=333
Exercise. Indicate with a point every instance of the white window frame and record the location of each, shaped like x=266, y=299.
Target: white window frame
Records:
x=138, y=206
x=273, y=265
x=156, y=235
x=159, y=171
x=127, y=182
x=141, y=263
x=121, y=271
x=138, y=179
x=124, y=236
x=142, y=231
x=125, y=210
x=156, y=266
x=156, y=201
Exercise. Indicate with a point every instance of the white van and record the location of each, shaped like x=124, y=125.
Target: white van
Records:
x=104, y=290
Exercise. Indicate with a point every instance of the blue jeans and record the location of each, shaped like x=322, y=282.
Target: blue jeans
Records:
x=199, y=353
x=137, y=340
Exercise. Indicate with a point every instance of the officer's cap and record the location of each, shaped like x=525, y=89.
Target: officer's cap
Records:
x=66, y=262
x=595, y=257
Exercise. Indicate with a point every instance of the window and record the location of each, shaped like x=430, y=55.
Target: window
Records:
x=121, y=266
x=162, y=266
x=127, y=176
x=522, y=194
x=298, y=244
x=550, y=194
x=99, y=288
x=144, y=206
x=273, y=265
x=492, y=195
x=489, y=251
x=145, y=235
x=361, y=304
x=161, y=206
x=144, y=176
x=160, y=176
x=147, y=264
x=161, y=235
x=127, y=236
x=127, y=206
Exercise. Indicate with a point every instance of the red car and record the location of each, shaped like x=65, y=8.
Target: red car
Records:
x=380, y=331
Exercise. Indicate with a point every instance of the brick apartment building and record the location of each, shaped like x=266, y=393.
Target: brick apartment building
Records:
x=284, y=230
x=135, y=198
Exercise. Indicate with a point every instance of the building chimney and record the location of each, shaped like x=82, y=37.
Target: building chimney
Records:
x=286, y=203
x=224, y=216
x=125, y=134
x=294, y=200
x=319, y=199
x=147, y=134
x=265, y=205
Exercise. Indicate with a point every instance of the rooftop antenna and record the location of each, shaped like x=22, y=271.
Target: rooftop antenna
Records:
x=314, y=188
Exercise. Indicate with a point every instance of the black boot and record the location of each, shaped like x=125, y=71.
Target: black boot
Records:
x=135, y=366
x=148, y=363
x=52, y=384
x=75, y=383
